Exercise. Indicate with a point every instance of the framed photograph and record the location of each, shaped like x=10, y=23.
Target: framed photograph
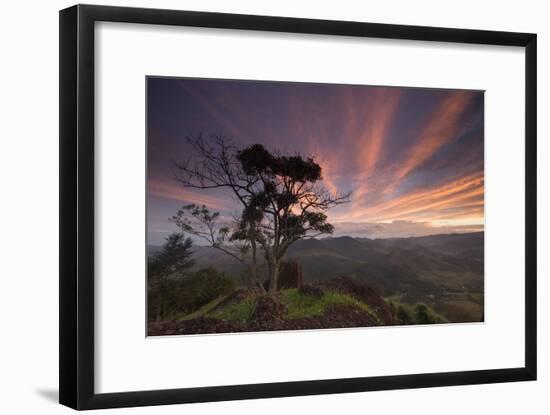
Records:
x=258, y=207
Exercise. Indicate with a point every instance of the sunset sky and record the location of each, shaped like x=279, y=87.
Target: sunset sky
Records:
x=413, y=157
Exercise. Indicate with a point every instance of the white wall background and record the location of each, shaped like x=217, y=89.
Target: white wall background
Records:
x=29, y=206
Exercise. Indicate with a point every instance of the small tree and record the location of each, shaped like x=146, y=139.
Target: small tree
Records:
x=203, y=286
x=163, y=271
x=174, y=258
x=282, y=199
x=422, y=314
x=201, y=222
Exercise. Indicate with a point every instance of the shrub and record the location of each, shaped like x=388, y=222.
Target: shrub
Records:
x=175, y=294
x=422, y=315
x=403, y=316
x=202, y=287
x=165, y=269
x=161, y=299
x=426, y=315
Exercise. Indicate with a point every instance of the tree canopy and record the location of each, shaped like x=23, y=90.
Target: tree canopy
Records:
x=281, y=195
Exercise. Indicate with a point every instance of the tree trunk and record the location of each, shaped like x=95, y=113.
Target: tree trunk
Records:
x=253, y=267
x=273, y=277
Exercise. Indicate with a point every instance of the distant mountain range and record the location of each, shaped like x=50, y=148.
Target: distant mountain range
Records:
x=416, y=266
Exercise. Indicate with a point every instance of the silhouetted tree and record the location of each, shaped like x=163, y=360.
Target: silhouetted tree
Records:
x=201, y=222
x=164, y=269
x=174, y=258
x=281, y=196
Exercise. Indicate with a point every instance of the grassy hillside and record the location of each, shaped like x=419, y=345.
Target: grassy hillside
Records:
x=444, y=272
x=341, y=302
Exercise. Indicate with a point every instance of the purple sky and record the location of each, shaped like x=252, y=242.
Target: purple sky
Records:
x=413, y=157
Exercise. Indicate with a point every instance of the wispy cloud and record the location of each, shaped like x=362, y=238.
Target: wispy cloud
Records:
x=413, y=157
x=462, y=197
x=399, y=229
x=372, y=129
x=166, y=190
x=216, y=107
x=442, y=127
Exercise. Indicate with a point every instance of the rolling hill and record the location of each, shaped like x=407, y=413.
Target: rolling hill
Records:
x=445, y=271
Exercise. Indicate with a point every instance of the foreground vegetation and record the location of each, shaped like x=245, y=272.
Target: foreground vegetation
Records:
x=184, y=299
x=218, y=306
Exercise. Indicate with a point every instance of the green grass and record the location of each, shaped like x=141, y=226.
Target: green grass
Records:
x=303, y=305
x=238, y=312
x=306, y=305
x=201, y=312
x=299, y=306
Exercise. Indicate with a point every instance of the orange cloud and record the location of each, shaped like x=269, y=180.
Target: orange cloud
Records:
x=372, y=127
x=445, y=196
x=328, y=177
x=376, y=126
x=442, y=128
x=373, y=131
x=462, y=196
x=369, y=125
x=185, y=195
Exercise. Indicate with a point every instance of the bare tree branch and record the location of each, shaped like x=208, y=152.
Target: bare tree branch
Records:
x=282, y=197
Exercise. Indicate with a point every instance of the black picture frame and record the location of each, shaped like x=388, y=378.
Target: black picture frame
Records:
x=76, y=280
